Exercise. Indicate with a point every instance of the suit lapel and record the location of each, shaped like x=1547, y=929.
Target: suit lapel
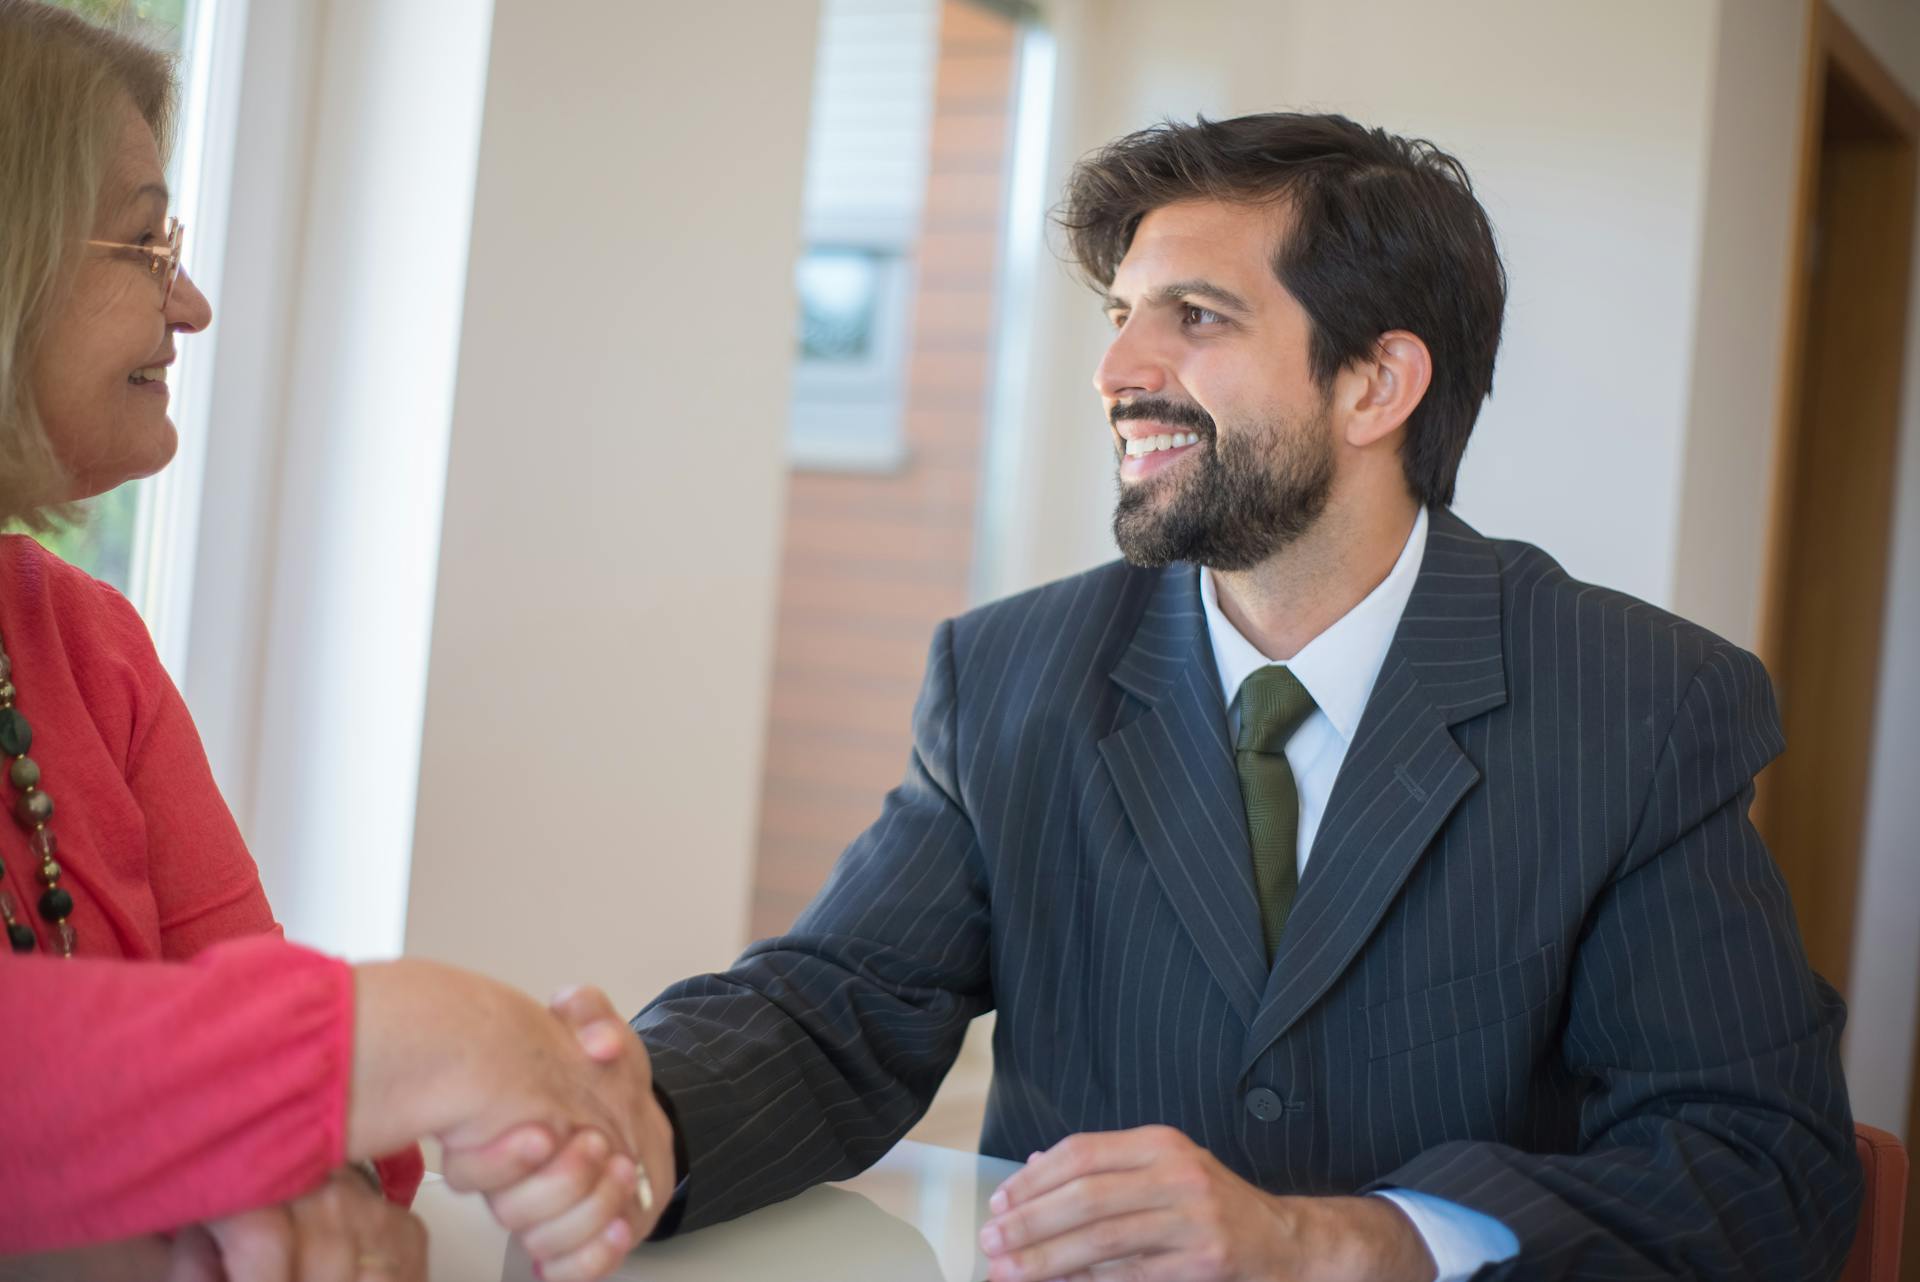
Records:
x=1173, y=768
x=1402, y=776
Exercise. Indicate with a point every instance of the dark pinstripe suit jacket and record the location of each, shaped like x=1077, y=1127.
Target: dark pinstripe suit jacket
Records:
x=1540, y=964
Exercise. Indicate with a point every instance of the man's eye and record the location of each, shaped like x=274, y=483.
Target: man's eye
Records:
x=1116, y=319
x=1200, y=315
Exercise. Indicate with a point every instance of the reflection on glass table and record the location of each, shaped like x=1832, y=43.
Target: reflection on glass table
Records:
x=914, y=1217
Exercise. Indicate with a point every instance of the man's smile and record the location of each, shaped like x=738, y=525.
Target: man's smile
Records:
x=1145, y=453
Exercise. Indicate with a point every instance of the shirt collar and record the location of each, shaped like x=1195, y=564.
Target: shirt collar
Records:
x=1339, y=666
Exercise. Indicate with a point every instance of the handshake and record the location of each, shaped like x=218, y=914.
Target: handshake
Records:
x=548, y=1112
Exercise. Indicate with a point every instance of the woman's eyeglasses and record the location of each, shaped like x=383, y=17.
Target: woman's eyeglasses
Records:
x=163, y=260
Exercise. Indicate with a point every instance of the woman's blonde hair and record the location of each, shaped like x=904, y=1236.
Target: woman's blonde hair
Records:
x=61, y=82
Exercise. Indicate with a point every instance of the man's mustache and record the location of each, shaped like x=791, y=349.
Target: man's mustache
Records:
x=1172, y=413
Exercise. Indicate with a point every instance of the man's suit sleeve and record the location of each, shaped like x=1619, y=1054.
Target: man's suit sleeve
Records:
x=820, y=1048
x=1715, y=1138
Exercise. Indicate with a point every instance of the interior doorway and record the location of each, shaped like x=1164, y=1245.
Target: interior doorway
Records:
x=1834, y=471
x=1834, y=467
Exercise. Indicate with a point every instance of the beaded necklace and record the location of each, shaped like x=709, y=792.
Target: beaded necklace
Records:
x=32, y=808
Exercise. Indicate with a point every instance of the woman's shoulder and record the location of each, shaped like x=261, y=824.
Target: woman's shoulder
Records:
x=48, y=605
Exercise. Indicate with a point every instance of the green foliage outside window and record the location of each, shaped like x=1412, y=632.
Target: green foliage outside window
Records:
x=101, y=542
x=163, y=19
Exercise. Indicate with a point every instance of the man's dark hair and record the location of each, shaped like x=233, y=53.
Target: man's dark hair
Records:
x=1383, y=233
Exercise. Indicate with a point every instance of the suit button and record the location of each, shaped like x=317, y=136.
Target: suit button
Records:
x=1264, y=1104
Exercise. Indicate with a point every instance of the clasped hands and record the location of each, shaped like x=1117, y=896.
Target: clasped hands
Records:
x=586, y=1175
x=1150, y=1205
x=549, y=1115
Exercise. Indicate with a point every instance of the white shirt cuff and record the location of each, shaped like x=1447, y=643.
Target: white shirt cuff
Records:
x=1462, y=1242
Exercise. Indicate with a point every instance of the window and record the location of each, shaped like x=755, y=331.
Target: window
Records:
x=866, y=183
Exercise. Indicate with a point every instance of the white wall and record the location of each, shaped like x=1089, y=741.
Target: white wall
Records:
x=332, y=394
x=602, y=631
x=587, y=755
x=1746, y=232
x=1592, y=167
x=369, y=386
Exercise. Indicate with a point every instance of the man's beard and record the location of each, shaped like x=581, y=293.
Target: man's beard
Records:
x=1230, y=505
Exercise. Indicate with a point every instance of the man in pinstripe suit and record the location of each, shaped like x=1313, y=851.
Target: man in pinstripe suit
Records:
x=1525, y=996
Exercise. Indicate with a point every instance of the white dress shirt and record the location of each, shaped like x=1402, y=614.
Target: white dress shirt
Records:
x=1339, y=668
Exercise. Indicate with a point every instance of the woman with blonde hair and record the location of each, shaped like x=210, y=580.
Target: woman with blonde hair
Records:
x=170, y=1060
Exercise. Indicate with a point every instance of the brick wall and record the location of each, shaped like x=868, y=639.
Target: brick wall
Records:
x=873, y=562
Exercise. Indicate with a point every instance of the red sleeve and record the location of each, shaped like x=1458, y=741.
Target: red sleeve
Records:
x=401, y=1173
x=139, y=1097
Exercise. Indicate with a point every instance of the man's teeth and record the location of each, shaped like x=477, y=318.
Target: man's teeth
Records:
x=152, y=374
x=1164, y=441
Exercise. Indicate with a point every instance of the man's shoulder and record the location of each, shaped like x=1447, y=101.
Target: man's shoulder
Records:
x=1553, y=619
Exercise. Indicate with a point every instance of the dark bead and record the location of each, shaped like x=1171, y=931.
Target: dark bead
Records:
x=20, y=935
x=7, y=691
x=25, y=773
x=33, y=808
x=16, y=736
x=56, y=904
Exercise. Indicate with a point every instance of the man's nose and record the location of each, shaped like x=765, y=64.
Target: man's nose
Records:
x=1131, y=366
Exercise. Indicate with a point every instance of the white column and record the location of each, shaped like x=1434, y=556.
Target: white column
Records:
x=602, y=633
x=368, y=379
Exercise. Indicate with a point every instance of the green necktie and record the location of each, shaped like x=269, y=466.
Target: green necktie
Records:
x=1273, y=703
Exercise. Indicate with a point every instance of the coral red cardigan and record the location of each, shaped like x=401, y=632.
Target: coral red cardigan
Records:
x=139, y=1098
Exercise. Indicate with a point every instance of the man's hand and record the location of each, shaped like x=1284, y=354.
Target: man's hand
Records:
x=343, y=1231
x=607, y=1039
x=1150, y=1205
x=551, y=1113
x=580, y=1210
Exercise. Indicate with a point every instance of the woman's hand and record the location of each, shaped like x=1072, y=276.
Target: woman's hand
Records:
x=445, y=1052
x=551, y=1113
x=579, y=1208
x=343, y=1231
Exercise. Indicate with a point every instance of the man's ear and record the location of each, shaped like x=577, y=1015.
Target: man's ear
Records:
x=1382, y=391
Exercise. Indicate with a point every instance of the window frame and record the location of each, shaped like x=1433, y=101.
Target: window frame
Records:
x=166, y=524
x=848, y=415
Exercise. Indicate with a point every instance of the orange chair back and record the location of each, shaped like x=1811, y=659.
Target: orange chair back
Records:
x=1876, y=1246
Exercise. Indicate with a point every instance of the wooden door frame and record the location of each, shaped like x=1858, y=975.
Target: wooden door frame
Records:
x=1831, y=48
x=1830, y=41
x=1835, y=56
